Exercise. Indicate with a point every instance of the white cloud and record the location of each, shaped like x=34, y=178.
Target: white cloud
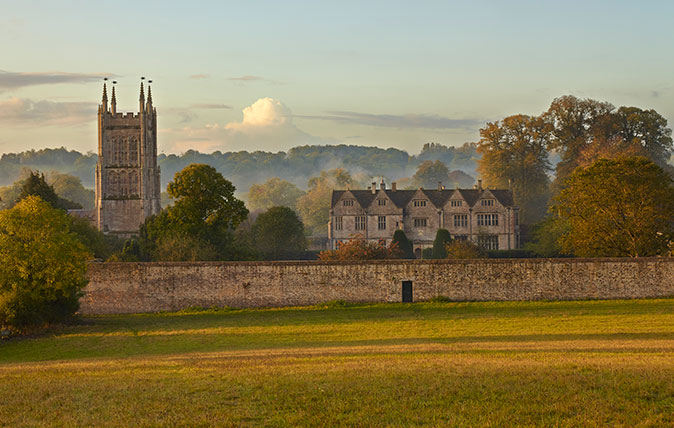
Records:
x=264, y=112
x=266, y=125
x=24, y=111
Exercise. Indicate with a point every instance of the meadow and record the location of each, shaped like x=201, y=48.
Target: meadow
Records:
x=505, y=364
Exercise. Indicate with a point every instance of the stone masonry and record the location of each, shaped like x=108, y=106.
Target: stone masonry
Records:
x=127, y=175
x=487, y=217
x=170, y=286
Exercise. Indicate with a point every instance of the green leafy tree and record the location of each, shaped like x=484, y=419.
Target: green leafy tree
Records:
x=273, y=193
x=442, y=238
x=278, y=234
x=70, y=188
x=617, y=207
x=584, y=130
x=314, y=206
x=43, y=267
x=179, y=246
x=514, y=154
x=130, y=252
x=648, y=129
x=401, y=241
x=205, y=209
x=460, y=179
x=546, y=237
x=573, y=126
x=430, y=173
x=36, y=185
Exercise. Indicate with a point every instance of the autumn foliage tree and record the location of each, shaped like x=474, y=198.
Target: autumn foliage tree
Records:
x=464, y=250
x=617, y=207
x=358, y=248
x=514, y=154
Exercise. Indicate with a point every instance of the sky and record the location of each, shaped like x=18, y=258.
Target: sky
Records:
x=271, y=75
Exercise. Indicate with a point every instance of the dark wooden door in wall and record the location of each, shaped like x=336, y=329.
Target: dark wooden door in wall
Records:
x=407, y=292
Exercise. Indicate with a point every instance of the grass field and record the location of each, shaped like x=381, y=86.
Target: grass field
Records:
x=543, y=364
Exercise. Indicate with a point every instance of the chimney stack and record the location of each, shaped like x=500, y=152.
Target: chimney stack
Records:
x=374, y=187
x=479, y=184
x=382, y=185
x=394, y=186
x=439, y=185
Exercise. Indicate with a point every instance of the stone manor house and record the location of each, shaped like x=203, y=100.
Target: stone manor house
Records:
x=127, y=175
x=487, y=217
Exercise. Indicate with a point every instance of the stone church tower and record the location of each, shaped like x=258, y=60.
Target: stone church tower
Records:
x=127, y=175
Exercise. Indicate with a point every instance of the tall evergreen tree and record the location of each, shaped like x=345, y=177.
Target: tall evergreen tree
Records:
x=442, y=238
x=36, y=185
x=404, y=244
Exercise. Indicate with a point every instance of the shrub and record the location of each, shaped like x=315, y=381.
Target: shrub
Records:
x=43, y=267
x=464, y=250
x=358, y=248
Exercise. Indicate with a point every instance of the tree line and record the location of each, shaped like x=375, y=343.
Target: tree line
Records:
x=244, y=168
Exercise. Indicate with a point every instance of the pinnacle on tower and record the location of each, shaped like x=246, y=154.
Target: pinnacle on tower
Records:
x=113, y=100
x=142, y=95
x=149, y=95
x=105, y=96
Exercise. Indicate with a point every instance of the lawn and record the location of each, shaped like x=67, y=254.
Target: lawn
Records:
x=506, y=364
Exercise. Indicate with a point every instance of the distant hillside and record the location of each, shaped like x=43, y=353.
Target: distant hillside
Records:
x=247, y=168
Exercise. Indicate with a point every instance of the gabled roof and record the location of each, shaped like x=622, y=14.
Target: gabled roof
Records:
x=505, y=197
x=470, y=195
x=364, y=197
x=437, y=197
x=400, y=197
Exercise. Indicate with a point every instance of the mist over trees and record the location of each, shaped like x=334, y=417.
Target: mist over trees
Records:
x=245, y=169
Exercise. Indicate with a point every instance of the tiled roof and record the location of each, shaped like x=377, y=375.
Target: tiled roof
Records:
x=437, y=197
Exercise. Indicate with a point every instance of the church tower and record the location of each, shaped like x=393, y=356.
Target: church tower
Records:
x=127, y=175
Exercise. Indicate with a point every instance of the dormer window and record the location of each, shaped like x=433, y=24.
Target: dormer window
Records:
x=347, y=202
x=419, y=203
x=381, y=202
x=487, y=202
x=457, y=203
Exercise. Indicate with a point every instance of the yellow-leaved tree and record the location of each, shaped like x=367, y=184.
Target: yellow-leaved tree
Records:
x=620, y=207
x=42, y=265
